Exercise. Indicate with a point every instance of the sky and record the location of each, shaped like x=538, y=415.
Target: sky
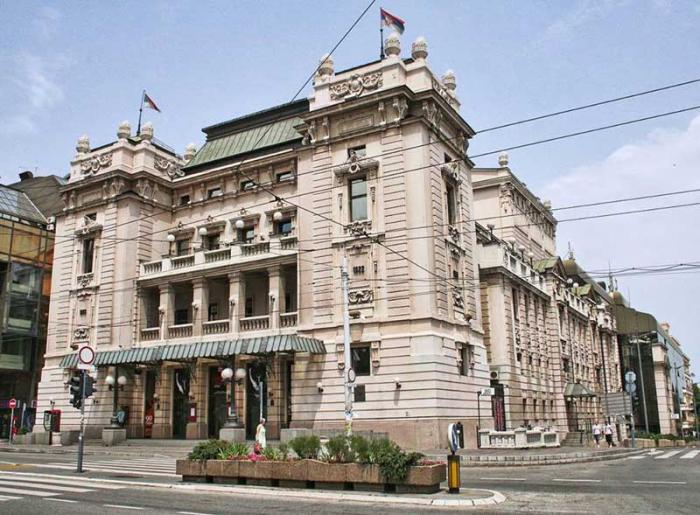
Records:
x=73, y=68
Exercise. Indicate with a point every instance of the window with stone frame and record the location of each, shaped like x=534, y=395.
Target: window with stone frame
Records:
x=360, y=151
x=88, y=255
x=211, y=241
x=361, y=359
x=184, y=200
x=358, y=198
x=247, y=185
x=182, y=246
x=467, y=357
x=516, y=302
x=285, y=176
x=451, y=203
x=246, y=234
x=284, y=227
x=215, y=192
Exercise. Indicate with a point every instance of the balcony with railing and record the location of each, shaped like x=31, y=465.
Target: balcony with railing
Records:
x=150, y=334
x=233, y=254
x=180, y=331
x=215, y=327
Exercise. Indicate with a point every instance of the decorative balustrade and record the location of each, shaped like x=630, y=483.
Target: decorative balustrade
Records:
x=182, y=261
x=180, y=331
x=253, y=249
x=212, y=256
x=255, y=323
x=288, y=319
x=518, y=439
x=150, y=333
x=289, y=243
x=153, y=267
x=215, y=327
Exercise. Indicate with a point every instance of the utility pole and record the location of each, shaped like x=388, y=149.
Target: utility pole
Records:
x=348, y=372
x=81, y=436
x=641, y=378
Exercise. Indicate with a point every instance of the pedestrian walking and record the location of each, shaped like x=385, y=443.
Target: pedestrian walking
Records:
x=608, y=431
x=260, y=437
x=597, y=431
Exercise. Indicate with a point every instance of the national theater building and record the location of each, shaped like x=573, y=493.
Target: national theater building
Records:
x=209, y=284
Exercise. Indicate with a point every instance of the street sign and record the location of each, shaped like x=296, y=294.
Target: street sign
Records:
x=86, y=355
x=616, y=404
x=630, y=388
x=675, y=416
x=487, y=392
x=12, y=404
x=630, y=377
x=83, y=366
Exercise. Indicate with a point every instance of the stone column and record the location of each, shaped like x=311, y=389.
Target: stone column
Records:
x=200, y=305
x=166, y=309
x=236, y=300
x=274, y=296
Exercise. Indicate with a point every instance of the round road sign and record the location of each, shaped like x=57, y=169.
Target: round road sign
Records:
x=86, y=355
x=630, y=388
x=12, y=404
x=630, y=377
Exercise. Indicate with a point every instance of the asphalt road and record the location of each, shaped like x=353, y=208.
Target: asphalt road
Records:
x=659, y=483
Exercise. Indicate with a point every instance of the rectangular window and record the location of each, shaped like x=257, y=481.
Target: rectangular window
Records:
x=448, y=159
x=467, y=355
x=91, y=216
x=184, y=200
x=215, y=192
x=284, y=227
x=182, y=316
x=516, y=301
x=358, y=199
x=88, y=254
x=359, y=393
x=247, y=234
x=285, y=176
x=211, y=241
x=359, y=151
x=527, y=307
x=249, y=306
x=451, y=201
x=360, y=359
x=247, y=185
x=182, y=247
x=213, y=312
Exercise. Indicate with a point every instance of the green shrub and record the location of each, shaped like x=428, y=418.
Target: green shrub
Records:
x=208, y=450
x=339, y=450
x=284, y=451
x=234, y=450
x=378, y=447
x=272, y=454
x=360, y=448
x=306, y=447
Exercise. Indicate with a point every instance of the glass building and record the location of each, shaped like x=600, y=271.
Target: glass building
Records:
x=26, y=254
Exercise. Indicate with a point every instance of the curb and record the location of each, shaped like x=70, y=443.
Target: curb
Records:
x=554, y=459
x=257, y=491
x=86, y=452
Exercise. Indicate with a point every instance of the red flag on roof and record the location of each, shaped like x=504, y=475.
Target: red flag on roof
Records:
x=148, y=102
x=390, y=20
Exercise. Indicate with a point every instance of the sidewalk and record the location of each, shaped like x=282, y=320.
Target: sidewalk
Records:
x=143, y=448
x=525, y=457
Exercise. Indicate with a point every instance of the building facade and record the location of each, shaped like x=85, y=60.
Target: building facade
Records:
x=548, y=327
x=26, y=253
x=210, y=283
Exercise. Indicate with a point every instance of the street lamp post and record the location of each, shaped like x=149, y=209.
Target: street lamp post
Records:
x=121, y=381
x=229, y=376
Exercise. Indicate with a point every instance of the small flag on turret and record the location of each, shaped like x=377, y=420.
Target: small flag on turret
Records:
x=148, y=102
x=392, y=21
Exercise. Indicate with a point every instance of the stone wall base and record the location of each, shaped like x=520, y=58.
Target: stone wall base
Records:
x=113, y=436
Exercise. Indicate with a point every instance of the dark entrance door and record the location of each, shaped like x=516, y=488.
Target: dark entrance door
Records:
x=181, y=390
x=498, y=408
x=256, y=387
x=149, y=404
x=217, y=402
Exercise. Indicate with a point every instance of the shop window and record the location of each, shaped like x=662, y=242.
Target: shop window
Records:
x=360, y=355
x=215, y=192
x=358, y=199
x=88, y=254
x=359, y=393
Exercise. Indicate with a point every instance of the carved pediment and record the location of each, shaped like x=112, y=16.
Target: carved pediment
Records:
x=356, y=85
x=357, y=165
x=169, y=167
x=95, y=164
x=451, y=171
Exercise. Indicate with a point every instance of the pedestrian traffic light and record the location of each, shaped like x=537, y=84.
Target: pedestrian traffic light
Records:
x=76, y=391
x=89, y=386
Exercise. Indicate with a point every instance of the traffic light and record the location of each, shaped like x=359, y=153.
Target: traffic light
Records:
x=89, y=386
x=76, y=391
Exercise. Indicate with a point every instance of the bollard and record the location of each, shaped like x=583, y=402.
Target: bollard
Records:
x=453, y=479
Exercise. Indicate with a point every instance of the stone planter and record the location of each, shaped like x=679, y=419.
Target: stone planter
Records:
x=297, y=470
x=246, y=469
x=356, y=473
x=427, y=475
x=665, y=443
x=326, y=472
x=223, y=468
x=191, y=470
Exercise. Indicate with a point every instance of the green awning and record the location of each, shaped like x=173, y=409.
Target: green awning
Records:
x=245, y=141
x=215, y=349
x=577, y=390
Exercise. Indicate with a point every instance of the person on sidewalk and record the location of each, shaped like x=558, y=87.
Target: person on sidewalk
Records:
x=260, y=437
x=597, y=431
x=608, y=430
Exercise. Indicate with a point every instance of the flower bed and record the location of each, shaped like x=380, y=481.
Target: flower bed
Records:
x=353, y=465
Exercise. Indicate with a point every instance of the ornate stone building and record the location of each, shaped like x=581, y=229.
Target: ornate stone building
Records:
x=548, y=329
x=209, y=284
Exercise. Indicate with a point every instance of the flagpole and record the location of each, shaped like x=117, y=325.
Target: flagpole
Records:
x=138, y=128
x=381, y=38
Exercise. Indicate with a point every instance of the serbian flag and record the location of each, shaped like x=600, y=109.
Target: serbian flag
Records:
x=148, y=102
x=390, y=20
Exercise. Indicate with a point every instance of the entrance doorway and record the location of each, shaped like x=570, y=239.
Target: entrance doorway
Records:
x=181, y=393
x=149, y=404
x=256, y=398
x=217, y=402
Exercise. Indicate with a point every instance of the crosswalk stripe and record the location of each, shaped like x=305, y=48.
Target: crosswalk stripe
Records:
x=8, y=498
x=21, y=491
x=58, y=488
x=119, y=470
x=667, y=455
x=637, y=457
x=690, y=455
x=9, y=475
x=130, y=467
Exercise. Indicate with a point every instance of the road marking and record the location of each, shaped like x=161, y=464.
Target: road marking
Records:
x=502, y=478
x=690, y=455
x=8, y=498
x=20, y=491
x=122, y=507
x=60, y=500
x=57, y=488
x=89, y=468
x=6, y=476
x=579, y=480
x=637, y=457
x=660, y=482
x=667, y=455
x=192, y=513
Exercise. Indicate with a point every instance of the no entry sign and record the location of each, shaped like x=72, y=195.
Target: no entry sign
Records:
x=13, y=403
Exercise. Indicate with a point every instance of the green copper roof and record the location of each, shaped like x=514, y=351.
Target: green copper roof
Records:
x=255, y=138
x=545, y=264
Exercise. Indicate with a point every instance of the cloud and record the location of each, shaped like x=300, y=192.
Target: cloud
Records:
x=46, y=23
x=585, y=12
x=665, y=160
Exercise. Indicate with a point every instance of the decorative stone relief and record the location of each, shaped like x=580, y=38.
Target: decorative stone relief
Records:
x=506, y=195
x=94, y=165
x=340, y=354
x=359, y=227
x=81, y=334
x=382, y=113
x=170, y=168
x=451, y=172
x=365, y=296
x=311, y=132
x=375, y=353
x=116, y=186
x=457, y=299
x=453, y=231
x=84, y=280
x=354, y=165
x=401, y=107
x=356, y=85
x=432, y=114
